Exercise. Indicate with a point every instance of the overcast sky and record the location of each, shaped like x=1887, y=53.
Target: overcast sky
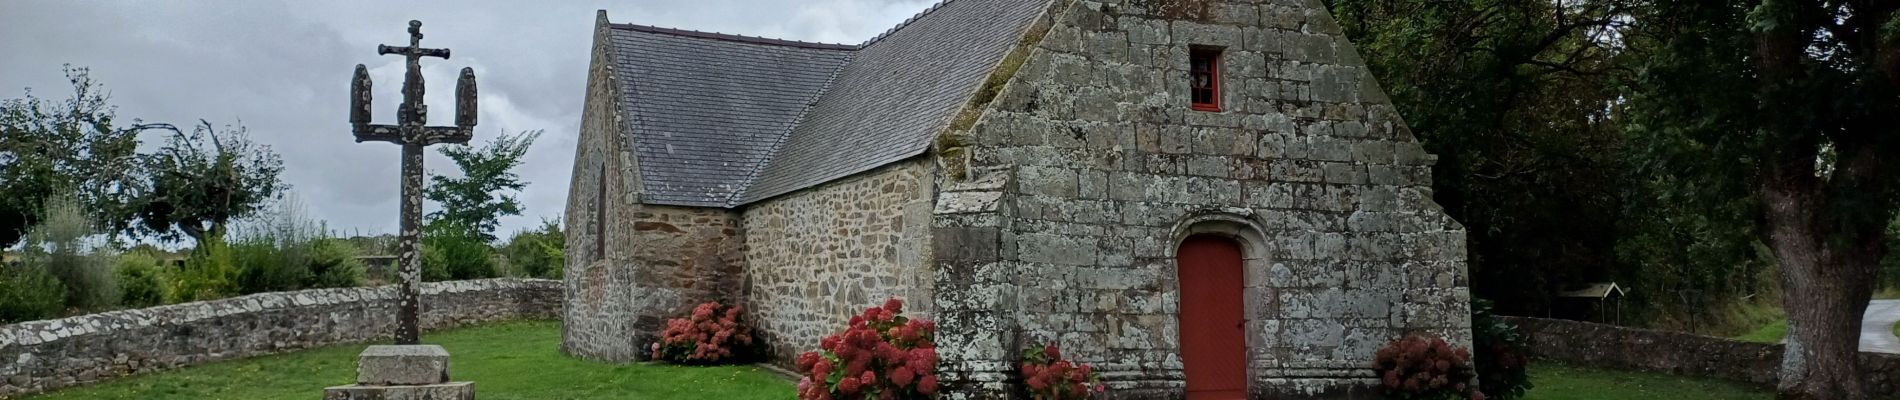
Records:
x=282, y=68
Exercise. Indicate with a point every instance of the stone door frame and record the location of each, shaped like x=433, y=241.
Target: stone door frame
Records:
x=1242, y=226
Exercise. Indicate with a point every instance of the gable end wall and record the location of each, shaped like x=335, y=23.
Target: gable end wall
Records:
x=596, y=323
x=1089, y=168
x=657, y=261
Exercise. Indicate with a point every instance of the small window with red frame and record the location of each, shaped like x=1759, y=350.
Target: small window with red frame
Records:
x=1204, y=71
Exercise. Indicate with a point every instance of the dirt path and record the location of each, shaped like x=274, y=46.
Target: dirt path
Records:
x=1876, y=327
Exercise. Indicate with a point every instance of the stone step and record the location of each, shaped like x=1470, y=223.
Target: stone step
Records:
x=439, y=391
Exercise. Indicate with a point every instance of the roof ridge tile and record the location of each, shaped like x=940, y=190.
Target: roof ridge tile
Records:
x=732, y=37
x=901, y=25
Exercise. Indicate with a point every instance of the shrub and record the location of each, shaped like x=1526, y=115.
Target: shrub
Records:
x=1414, y=368
x=209, y=274
x=263, y=267
x=709, y=336
x=1500, y=354
x=453, y=256
x=29, y=294
x=1050, y=377
x=435, y=265
x=140, y=280
x=882, y=355
x=537, y=253
x=273, y=248
x=333, y=264
x=58, y=246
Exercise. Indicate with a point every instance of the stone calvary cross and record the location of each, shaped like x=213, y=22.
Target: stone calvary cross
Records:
x=412, y=135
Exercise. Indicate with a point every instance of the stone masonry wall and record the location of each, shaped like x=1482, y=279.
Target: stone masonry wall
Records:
x=44, y=355
x=1632, y=349
x=818, y=256
x=659, y=262
x=680, y=257
x=1101, y=169
x=599, y=312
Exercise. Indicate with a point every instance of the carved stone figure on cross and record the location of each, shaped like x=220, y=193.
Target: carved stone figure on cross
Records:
x=410, y=132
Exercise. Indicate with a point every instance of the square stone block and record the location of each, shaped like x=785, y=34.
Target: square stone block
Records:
x=439, y=391
x=402, y=365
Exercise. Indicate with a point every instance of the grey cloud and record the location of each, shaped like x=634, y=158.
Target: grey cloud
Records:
x=282, y=67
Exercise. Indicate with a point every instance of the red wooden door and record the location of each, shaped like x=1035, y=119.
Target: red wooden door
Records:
x=1213, y=340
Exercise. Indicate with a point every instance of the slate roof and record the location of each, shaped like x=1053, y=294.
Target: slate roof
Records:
x=704, y=112
x=724, y=120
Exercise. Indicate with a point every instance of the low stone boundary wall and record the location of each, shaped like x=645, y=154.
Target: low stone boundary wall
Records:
x=43, y=355
x=1621, y=348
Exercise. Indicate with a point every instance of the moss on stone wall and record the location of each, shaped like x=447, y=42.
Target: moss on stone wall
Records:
x=949, y=145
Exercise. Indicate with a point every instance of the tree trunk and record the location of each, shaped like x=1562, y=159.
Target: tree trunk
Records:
x=196, y=233
x=1827, y=279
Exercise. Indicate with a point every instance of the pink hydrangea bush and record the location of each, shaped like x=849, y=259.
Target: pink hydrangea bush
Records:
x=881, y=355
x=712, y=335
x=1417, y=368
x=1050, y=377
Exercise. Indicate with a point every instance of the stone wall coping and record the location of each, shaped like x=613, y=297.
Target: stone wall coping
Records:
x=38, y=356
x=1636, y=349
x=45, y=331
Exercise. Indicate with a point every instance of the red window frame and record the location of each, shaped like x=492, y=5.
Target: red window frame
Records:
x=1203, y=97
x=1204, y=63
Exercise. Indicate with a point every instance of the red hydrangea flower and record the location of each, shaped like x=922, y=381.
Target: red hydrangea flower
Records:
x=879, y=342
x=711, y=334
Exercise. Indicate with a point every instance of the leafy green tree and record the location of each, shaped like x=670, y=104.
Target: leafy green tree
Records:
x=1514, y=96
x=197, y=183
x=72, y=146
x=1792, y=105
x=478, y=199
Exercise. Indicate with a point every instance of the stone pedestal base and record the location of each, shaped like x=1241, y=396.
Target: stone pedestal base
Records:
x=414, y=372
x=440, y=391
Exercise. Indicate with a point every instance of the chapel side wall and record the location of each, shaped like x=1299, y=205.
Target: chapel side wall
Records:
x=684, y=256
x=1104, y=161
x=818, y=256
x=597, y=320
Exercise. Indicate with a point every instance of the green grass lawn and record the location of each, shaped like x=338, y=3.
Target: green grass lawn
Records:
x=522, y=360
x=516, y=360
x=1562, y=382
x=1770, y=333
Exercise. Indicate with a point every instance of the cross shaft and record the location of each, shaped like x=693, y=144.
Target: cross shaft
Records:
x=410, y=132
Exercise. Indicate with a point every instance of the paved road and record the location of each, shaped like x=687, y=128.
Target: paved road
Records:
x=1876, y=327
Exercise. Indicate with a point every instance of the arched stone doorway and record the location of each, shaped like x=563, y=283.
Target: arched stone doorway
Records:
x=1214, y=251
x=1213, y=324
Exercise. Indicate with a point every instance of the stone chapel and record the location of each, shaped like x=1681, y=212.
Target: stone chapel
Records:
x=1204, y=198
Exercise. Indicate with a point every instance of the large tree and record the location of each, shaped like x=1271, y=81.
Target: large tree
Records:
x=198, y=182
x=478, y=199
x=1514, y=96
x=1792, y=104
x=72, y=146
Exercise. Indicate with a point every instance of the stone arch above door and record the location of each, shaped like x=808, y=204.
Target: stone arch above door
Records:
x=1242, y=225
